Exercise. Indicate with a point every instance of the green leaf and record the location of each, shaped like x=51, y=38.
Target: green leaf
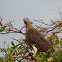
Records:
x=49, y=38
x=4, y=27
x=60, y=41
x=7, y=23
x=12, y=43
x=31, y=22
x=1, y=30
x=8, y=49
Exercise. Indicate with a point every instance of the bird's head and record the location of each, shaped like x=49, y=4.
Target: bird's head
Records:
x=26, y=21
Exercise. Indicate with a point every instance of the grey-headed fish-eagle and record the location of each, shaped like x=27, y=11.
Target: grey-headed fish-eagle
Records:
x=35, y=39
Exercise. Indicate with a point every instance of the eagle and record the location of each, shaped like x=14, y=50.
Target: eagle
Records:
x=35, y=39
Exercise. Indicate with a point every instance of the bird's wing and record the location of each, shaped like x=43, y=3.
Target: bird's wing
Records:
x=35, y=37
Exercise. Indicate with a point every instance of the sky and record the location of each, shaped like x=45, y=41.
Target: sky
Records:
x=33, y=9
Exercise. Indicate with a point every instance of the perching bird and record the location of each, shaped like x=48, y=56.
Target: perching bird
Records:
x=35, y=39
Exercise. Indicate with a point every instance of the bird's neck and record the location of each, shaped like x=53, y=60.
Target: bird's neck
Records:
x=29, y=26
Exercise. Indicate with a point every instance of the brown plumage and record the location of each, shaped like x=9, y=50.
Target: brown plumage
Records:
x=34, y=37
